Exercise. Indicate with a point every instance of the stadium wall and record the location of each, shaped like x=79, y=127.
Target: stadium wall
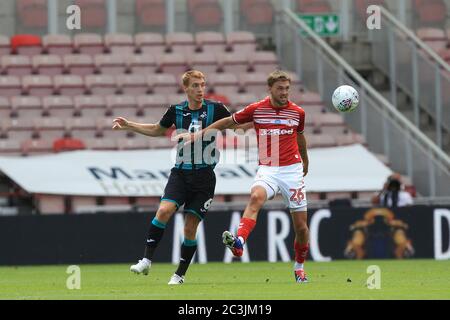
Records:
x=336, y=233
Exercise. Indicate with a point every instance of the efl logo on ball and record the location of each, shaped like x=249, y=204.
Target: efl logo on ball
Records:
x=345, y=99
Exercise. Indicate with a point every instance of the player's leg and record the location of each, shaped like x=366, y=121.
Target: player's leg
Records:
x=262, y=190
x=188, y=248
x=155, y=233
x=301, y=244
x=173, y=198
x=291, y=182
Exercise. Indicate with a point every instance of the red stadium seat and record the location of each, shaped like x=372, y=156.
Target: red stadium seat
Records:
x=149, y=103
x=79, y=64
x=58, y=106
x=241, y=100
x=150, y=43
x=101, y=144
x=219, y=98
x=254, y=83
x=119, y=43
x=313, y=6
x=224, y=83
x=310, y=98
x=69, y=85
x=132, y=143
x=93, y=13
x=151, y=13
x=257, y=13
x=50, y=204
x=110, y=64
x=10, y=147
x=48, y=64
x=38, y=85
x=133, y=84
x=49, y=128
x=205, y=14
x=321, y=141
x=19, y=129
x=351, y=138
x=5, y=107
x=430, y=13
x=16, y=65
x=37, y=146
x=26, y=44
x=88, y=43
x=181, y=42
x=32, y=13
x=82, y=128
x=101, y=84
x=59, y=44
x=141, y=64
x=210, y=41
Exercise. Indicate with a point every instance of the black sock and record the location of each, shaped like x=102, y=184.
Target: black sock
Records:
x=155, y=233
x=188, y=249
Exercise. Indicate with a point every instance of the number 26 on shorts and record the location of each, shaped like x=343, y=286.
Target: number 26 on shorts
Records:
x=297, y=195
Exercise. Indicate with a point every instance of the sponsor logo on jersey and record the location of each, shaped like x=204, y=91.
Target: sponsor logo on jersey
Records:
x=275, y=132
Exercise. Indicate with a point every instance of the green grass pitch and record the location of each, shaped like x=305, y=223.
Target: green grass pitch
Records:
x=406, y=279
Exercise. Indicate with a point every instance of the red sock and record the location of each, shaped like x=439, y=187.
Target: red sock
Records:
x=245, y=227
x=301, y=252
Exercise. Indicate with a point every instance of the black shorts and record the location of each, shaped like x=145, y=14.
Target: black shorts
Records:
x=193, y=188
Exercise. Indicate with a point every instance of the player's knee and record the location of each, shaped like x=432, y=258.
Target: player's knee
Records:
x=164, y=213
x=301, y=229
x=257, y=199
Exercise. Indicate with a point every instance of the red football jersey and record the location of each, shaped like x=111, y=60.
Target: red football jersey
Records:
x=276, y=130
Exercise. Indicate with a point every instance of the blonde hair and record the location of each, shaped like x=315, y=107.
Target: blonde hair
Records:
x=277, y=75
x=186, y=77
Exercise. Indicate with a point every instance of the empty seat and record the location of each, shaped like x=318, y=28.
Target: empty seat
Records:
x=69, y=85
x=79, y=64
x=50, y=204
x=205, y=14
x=101, y=84
x=119, y=43
x=141, y=64
x=173, y=63
x=26, y=44
x=82, y=128
x=430, y=12
x=37, y=146
x=224, y=83
x=5, y=48
x=163, y=83
x=241, y=100
x=264, y=61
x=218, y=97
x=10, y=86
x=151, y=13
x=351, y=138
x=122, y=105
x=327, y=119
x=93, y=13
x=172, y=99
x=133, y=84
x=257, y=13
x=10, y=147
x=210, y=41
x=59, y=44
x=88, y=43
x=233, y=62
x=205, y=62
x=110, y=64
x=23, y=106
x=38, y=85
x=49, y=128
x=321, y=141
x=255, y=83
x=32, y=13
x=132, y=143
x=181, y=42
x=151, y=102
x=160, y=143
x=58, y=106
x=5, y=107
x=16, y=65
x=90, y=106
x=310, y=98
x=19, y=128
x=241, y=41
x=152, y=43
x=313, y=6
x=101, y=144
x=48, y=64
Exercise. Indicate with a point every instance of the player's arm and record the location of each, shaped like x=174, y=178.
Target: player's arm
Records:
x=301, y=142
x=151, y=129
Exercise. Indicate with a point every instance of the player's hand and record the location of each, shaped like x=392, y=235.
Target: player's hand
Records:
x=120, y=123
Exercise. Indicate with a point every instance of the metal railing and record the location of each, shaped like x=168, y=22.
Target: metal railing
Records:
x=385, y=129
x=416, y=69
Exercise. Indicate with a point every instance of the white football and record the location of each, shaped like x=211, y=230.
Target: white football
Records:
x=345, y=98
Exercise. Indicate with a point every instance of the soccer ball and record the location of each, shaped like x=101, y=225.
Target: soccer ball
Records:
x=345, y=99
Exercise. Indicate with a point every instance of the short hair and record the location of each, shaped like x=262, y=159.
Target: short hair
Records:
x=186, y=78
x=278, y=75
